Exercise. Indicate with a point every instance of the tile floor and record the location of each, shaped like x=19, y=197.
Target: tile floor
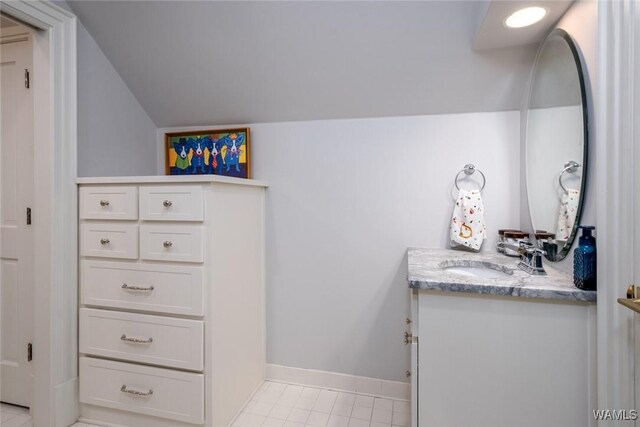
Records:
x=17, y=416
x=286, y=405
x=14, y=416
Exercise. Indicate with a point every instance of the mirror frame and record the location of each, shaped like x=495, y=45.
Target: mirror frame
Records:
x=577, y=57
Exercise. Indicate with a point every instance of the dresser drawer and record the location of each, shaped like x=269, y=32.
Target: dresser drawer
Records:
x=148, y=287
x=157, y=340
x=171, y=203
x=172, y=243
x=145, y=390
x=109, y=240
x=119, y=203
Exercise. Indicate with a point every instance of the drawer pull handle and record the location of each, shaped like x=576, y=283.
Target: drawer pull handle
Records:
x=136, y=288
x=104, y=242
x=167, y=203
x=167, y=244
x=124, y=389
x=136, y=340
x=104, y=203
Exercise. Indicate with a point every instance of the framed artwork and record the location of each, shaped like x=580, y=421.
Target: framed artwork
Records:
x=222, y=152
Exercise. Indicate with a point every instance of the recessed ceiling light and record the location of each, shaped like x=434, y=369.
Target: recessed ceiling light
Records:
x=525, y=17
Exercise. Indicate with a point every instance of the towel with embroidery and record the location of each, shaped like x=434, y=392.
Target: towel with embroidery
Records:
x=467, y=224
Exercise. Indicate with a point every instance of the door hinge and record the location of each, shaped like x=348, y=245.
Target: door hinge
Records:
x=29, y=352
x=26, y=78
x=28, y=216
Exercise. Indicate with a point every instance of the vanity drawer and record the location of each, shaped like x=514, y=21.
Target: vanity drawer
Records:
x=157, y=340
x=147, y=287
x=145, y=390
x=183, y=243
x=100, y=202
x=109, y=240
x=171, y=203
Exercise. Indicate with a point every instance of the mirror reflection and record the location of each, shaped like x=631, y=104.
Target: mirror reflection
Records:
x=556, y=144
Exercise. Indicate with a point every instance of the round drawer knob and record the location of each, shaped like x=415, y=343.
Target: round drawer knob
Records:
x=104, y=242
x=167, y=244
x=104, y=203
x=167, y=203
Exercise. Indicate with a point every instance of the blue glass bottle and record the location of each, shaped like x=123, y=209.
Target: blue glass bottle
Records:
x=585, y=261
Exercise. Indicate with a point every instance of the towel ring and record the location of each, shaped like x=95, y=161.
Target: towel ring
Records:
x=569, y=167
x=469, y=169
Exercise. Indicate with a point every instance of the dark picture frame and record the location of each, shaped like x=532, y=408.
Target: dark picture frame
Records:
x=224, y=152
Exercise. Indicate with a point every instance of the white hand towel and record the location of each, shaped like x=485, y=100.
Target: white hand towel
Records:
x=467, y=225
x=567, y=215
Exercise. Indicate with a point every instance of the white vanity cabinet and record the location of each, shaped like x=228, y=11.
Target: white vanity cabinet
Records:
x=171, y=323
x=487, y=361
x=481, y=359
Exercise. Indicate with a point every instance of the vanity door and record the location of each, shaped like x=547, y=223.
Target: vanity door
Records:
x=495, y=361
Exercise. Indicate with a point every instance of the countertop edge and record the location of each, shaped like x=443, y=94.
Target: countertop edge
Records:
x=509, y=291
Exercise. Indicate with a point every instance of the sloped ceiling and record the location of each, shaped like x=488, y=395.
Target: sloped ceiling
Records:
x=493, y=34
x=205, y=62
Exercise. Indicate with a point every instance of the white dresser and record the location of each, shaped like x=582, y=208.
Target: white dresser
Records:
x=172, y=309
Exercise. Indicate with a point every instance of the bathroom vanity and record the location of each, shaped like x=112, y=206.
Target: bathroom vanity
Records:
x=493, y=346
x=171, y=319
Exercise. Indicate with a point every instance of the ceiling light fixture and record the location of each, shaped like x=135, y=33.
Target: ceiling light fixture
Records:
x=525, y=17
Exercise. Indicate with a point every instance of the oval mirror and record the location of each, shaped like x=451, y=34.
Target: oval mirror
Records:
x=556, y=142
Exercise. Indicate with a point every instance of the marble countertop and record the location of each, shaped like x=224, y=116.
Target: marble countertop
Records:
x=426, y=272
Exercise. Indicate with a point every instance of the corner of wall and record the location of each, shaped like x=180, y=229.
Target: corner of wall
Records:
x=116, y=136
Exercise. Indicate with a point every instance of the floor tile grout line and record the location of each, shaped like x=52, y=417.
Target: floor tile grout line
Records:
x=350, y=418
x=339, y=390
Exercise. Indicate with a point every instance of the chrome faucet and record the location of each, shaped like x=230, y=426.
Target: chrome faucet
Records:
x=530, y=257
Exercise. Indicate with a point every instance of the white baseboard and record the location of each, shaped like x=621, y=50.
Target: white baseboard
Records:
x=341, y=382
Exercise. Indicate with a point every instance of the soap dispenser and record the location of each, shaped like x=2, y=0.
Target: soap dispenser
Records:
x=584, y=260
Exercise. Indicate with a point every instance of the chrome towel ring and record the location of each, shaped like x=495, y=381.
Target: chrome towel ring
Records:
x=569, y=167
x=470, y=169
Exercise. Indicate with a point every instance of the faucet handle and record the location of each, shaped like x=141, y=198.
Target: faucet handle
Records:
x=524, y=248
x=531, y=259
x=536, y=251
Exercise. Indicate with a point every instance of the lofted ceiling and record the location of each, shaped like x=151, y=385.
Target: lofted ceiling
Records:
x=209, y=62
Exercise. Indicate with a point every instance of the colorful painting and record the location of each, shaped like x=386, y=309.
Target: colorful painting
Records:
x=209, y=152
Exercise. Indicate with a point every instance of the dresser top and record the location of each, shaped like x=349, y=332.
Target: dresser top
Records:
x=170, y=179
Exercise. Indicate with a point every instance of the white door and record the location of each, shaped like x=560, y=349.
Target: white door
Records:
x=16, y=236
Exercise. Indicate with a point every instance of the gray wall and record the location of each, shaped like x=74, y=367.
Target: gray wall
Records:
x=115, y=135
x=346, y=198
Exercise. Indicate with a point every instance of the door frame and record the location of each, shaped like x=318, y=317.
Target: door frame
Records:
x=55, y=396
x=617, y=70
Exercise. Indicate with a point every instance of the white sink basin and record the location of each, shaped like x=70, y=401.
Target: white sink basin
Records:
x=482, y=269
